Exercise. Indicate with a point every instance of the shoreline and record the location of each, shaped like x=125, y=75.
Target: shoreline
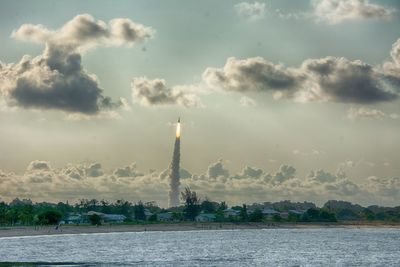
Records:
x=20, y=231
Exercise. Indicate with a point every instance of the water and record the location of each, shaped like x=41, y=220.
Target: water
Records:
x=268, y=247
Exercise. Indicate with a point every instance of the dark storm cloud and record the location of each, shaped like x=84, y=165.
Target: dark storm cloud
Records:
x=56, y=79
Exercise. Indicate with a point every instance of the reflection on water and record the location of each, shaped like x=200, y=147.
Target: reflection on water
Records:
x=268, y=247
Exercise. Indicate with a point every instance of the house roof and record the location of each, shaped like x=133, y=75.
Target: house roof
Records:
x=206, y=215
x=269, y=211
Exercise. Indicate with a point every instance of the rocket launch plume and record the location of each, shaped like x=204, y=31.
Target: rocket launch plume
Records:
x=174, y=169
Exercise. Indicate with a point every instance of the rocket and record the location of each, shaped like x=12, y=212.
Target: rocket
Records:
x=178, y=128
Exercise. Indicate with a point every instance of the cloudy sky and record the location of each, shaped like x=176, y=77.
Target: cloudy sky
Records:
x=279, y=99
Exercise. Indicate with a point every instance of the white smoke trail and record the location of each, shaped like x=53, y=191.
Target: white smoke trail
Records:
x=174, y=174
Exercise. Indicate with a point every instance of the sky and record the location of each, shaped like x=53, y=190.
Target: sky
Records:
x=278, y=100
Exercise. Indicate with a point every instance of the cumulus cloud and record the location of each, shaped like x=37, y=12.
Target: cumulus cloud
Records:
x=38, y=165
x=183, y=174
x=322, y=176
x=391, y=68
x=127, y=171
x=56, y=79
x=250, y=11
x=94, y=170
x=217, y=169
x=342, y=80
x=337, y=11
x=326, y=79
x=252, y=74
x=84, y=32
x=251, y=172
x=73, y=182
x=285, y=173
x=313, y=152
x=155, y=92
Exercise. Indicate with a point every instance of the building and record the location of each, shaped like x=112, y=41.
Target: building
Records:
x=147, y=213
x=205, y=217
x=296, y=212
x=269, y=213
x=284, y=214
x=114, y=218
x=165, y=217
x=109, y=218
x=73, y=218
x=231, y=212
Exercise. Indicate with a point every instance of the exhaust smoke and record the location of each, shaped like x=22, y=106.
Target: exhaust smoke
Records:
x=174, y=176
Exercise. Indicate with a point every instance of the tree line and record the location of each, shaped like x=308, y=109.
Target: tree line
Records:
x=25, y=212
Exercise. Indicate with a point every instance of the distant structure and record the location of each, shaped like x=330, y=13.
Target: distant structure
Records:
x=174, y=177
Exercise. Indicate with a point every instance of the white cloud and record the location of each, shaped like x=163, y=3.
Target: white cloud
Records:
x=251, y=11
x=394, y=116
x=84, y=32
x=328, y=79
x=337, y=11
x=56, y=79
x=155, y=92
x=247, y=102
x=72, y=182
x=365, y=113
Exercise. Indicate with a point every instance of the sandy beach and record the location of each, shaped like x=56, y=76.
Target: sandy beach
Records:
x=88, y=229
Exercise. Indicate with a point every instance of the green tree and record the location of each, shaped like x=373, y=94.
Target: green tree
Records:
x=139, y=211
x=293, y=217
x=123, y=207
x=222, y=206
x=276, y=218
x=192, y=204
x=208, y=206
x=256, y=216
x=3, y=212
x=12, y=215
x=244, y=217
x=50, y=217
x=153, y=218
x=95, y=219
x=368, y=214
x=26, y=214
x=317, y=215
